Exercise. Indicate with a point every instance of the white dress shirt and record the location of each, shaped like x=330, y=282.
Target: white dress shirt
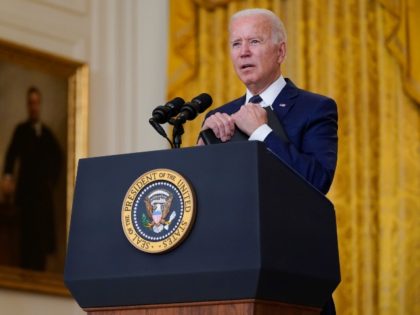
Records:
x=38, y=128
x=268, y=97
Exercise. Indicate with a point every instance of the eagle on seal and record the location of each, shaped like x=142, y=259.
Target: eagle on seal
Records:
x=158, y=204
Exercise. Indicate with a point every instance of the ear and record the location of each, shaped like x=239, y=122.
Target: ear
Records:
x=281, y=52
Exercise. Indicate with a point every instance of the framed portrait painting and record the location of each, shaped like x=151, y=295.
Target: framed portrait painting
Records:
x=43, y=132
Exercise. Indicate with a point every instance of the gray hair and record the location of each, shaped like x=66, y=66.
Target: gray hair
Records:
x=278, y=32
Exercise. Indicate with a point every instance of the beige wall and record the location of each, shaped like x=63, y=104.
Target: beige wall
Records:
x=124, y=43
x=14, y=302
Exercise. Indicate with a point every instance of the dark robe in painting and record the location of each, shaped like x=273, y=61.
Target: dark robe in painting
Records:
x=38, y=157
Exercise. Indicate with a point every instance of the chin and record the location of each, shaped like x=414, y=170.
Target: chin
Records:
x=248, y=81
x=247, y=78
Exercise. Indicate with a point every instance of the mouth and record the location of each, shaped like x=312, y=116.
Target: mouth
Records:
x=247, y=66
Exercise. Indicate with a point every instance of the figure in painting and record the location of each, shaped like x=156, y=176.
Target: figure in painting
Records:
x=31, y=171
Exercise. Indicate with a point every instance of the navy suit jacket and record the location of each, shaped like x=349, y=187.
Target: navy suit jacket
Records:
x=310, y=123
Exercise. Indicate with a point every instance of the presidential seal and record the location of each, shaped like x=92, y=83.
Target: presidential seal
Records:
x=158, y=211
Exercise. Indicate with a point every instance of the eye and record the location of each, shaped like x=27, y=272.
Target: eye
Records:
x=254, y=42
x=236, y=45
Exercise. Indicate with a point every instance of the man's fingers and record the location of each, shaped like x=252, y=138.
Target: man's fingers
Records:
x=200, y=142
x=7, y=185
x=226, y=126
x=250, y=117
x=222, y=125
x=219, y=125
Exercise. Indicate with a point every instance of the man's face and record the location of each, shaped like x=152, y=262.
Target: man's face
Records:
x=34, y=106
x=255, y=57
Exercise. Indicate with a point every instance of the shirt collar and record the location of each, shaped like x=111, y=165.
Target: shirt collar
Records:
x=270, y=93
x=37, y=127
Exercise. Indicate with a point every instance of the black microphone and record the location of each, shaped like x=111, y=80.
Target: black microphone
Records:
x=163, y=113
x=197, y=105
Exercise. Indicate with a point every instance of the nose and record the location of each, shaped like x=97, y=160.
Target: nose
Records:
x=245, y=52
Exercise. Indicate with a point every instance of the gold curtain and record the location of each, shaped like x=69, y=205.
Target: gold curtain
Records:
x=402, y=30
x=364, y=54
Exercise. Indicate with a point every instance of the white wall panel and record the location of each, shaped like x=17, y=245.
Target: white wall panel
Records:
x=124, y=43
x=26, y=303
x=128, y=67
x=45, y=27
x=75, y=6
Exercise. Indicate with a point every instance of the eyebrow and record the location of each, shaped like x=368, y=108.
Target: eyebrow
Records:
x=247, y=39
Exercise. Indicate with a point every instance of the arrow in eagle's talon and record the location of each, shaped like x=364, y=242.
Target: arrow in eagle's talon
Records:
x=173, y=215
x=171, y=218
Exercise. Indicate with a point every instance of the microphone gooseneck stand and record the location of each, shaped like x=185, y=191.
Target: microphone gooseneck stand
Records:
x=177, y=132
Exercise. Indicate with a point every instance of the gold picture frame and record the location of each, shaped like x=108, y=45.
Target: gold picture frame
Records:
x=76, y=75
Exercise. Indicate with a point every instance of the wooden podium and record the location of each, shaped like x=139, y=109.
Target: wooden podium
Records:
x=264, y=240
x=234, y=307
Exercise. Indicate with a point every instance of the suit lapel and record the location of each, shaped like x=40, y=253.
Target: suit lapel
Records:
x=281, y=105
x=285, y=100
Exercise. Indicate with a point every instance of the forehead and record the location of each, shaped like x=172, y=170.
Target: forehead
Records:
x=250, y=26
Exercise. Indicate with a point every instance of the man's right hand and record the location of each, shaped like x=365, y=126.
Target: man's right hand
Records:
x=222, y=125
x=8, y=185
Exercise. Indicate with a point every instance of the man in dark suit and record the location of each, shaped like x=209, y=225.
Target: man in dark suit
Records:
x=35, y=148
x=308, y=139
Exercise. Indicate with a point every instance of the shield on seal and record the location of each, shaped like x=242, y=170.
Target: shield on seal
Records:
x=157, y=216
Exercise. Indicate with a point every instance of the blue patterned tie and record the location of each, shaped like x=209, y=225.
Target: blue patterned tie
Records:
x=256, y=99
